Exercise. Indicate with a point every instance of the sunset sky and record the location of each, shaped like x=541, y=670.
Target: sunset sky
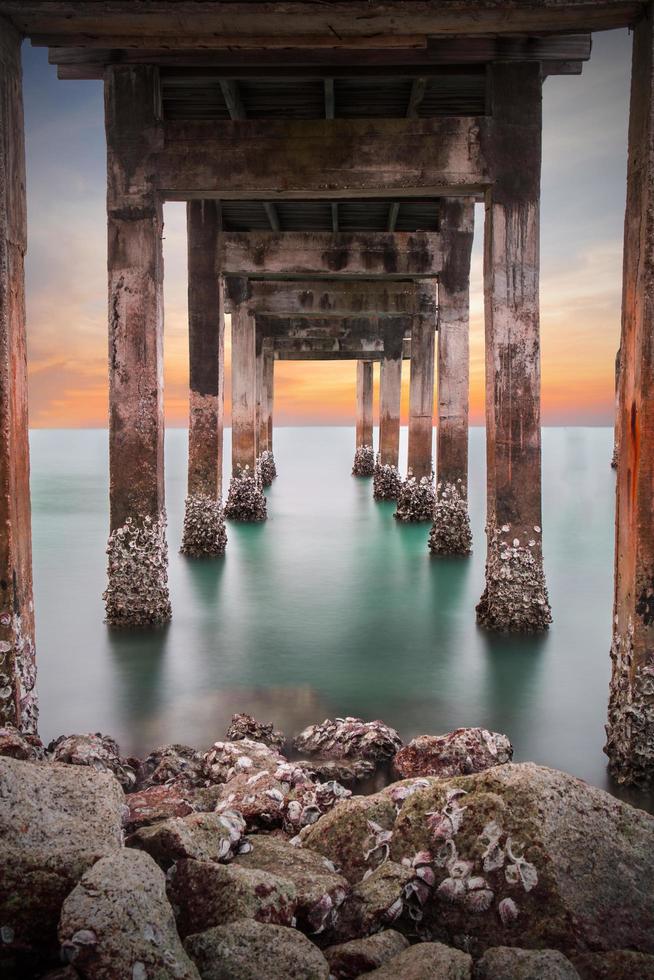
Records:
x=584, y=165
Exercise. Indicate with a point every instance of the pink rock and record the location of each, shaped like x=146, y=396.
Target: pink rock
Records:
x=459, y=753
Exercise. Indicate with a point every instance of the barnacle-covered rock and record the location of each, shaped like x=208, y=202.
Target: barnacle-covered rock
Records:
x=249, y=950
x=387, y=482
x=266, y=467
x=506, y=963
x=20, y=745
x=426, y=960
x=376, y=902
x=345, y=771
x=224, y=760
x=617, y=964
x=173, y=765
x=137, y=591
x=204, y=533
x=350, y=960
x=416, y=500
x=55, y=822
x=243, y=726
x=524, y=854
x=246, y=500
x=320, y=890
x=364, y=461
x=98, y=751
x=349, y=738
x=515, y=598
x=458, y=753
x=202, y=836
x=205, y=894
x=155, y=803
x=450, y=533
x=117, y=923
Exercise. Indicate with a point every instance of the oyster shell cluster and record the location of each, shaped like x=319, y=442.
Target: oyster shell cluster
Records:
x=450, y=533
x=364, y=461
x=266, y=467
x=137, y=567
x=387, y=481
x=244, y=726
x=344, y=738
x=204, y=532
x=246, y=500
x=18, y=698
x=630, y=730
x=515, y=598
x=416, y=500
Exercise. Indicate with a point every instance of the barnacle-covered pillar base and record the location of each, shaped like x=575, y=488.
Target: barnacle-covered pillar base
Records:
x=246, y=500
x=204, y=532
x=450, y=533
x=137, y=589
x=386, y=482
x=630, y=728
x=364, y=461
x=515, y=599
x=416, y=500
x=266, y=467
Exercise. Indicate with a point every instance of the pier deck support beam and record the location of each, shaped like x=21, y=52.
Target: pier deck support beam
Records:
x=245, y=501
x=630, y=730
x=204, y=529
x=364, y=458
x=18, y=704
x=387, y=477
x=450, y=534
x=515, y=598
x=137, y=592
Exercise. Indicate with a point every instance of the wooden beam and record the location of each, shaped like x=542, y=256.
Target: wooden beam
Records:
x=418, y=89
x=232, y=98
x=330, y=101
x=277, y=159
x=393, y=213
x=318, y=297
x=272, y=215
x=394, y=328
x=334, y=209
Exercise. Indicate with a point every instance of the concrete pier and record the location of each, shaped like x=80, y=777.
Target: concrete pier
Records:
x=265, y=367
x=630, y=729
x=18, y=704
x=364, y=456
x=387, y=480
x=204, y=526
x=137, y=590
x=515, y=598
x=450, y=534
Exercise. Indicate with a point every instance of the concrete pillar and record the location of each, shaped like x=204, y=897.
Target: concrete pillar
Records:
x=245, y=501
x=262, y=415
x=450, y=534
x=137, y=592
x=269, y=384
x=387, y=479
x=18, y=705
x=364, y=457
x=265, y=367
x=630, y=730
x=204, y=527
x=516, y=597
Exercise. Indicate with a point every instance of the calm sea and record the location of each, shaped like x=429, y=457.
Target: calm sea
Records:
x=330, y=608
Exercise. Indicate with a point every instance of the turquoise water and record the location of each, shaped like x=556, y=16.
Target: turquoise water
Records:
x=329, y=608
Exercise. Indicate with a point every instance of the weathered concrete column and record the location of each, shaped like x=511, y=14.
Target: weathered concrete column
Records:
x=364, y=456
x=204, y=525
x=630, y=729
x=18, y=705
x=616, y=427
x=516, y=597
x=387, y=481
x=265, y=368
x=245, y=501
x=416, y=500
x=269, y=382
x=450, y=534
x=137, y=592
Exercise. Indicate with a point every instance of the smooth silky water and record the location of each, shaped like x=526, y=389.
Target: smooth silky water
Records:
x=329, y=608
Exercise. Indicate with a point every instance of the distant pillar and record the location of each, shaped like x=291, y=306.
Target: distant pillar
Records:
x=204, y=526
x=630, y=729
x=137, y=591
x=265, y=368
x=416, y=501
x=18, y=705
x=387, y=480
x=269, y=384
x=616, y=429
x=516, y=597
x=364, y=458
x=450, y=534
x=245, y=501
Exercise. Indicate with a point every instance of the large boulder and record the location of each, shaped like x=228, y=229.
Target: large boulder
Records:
x=349, y=738
x=248, y=950
x=155, y=803
x=458, y=753
x=375, y=903
x=353, y=834
x=98, y=751
x=204, y=894
x=173, y=765
x=203, y=836
x=426, y=960
x=619, y=964
x=349, y=960
x=244, y=726
x=55, y=822
x=20, y=745
x=505, y=963
x=521, y=854
x=117, y=923
x=224, y=760
x=320, y=891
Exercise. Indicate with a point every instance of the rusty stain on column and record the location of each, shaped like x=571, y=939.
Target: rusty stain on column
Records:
x=137, y=591
x=515, y=598
x=18, y=704
x=450, y=534
x=364, y=457
x=204, y=529
x=630, y=729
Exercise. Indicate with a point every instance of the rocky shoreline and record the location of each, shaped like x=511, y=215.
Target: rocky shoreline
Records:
x=261, y=858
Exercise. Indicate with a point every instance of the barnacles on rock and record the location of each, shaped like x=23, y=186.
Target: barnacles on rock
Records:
x=387, y=482
x=344, y=738
x=266, y=467
x=416, y=500
x=245, y=726
x=137, y=592
x=450, y=533
x=515, y=598
x=204, y=532
x=246, y=500
x=100, y=752
x=364, y=461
